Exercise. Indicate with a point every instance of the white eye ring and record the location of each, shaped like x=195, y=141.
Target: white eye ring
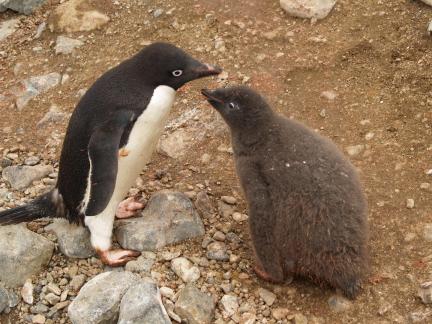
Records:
x=232, y=105
x=177, y=73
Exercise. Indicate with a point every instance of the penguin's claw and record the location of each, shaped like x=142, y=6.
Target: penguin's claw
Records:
x=117, y=258
x=128, y=208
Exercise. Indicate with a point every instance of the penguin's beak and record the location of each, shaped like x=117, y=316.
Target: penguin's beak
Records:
x=204, y=70
x=211, y=97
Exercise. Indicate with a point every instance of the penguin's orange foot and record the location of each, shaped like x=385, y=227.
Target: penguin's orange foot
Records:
x=117, y=258
x=264, y=275
x=128, y=208
x=123, y=152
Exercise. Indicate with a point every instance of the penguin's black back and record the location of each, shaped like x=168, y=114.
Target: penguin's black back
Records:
x=121, y=88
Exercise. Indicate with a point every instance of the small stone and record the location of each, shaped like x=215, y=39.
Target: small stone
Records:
x=339, y=304
x=299, y=319
x=38, y=319
x=205, y=158
x=217, y=251
x=266, y=295
x=369, y=136
x=355, y=150
x=315, y=9
x=175, y=144
x=384, y=308
x=425, y=292
x=410, y=203
x=32, y=160
x=52, y=287
x=168, y=256
x=39, y=308
x=77, y=282
x=225, y=210
x=195, y=306
x=40, y=29
x=66, y=45
x=7, y=28
x=52, y=298
x=141, y=264
x=4, y=296
x=280, y=313
x=409, y=237
x=229, y=305
x=248, y=318
x=203, y=204
x=239, y=218
x=185, y=269
x=427, y=232
x=229, y=200
x=167, y=293
x=21, y=177
x=27, y=292
x=158, y=12
x=329, y=95
x=219, y=236
x=26, y=7
x=54, y=115
x=426, y=186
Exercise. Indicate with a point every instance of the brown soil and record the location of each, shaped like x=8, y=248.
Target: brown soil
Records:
x=376, y=56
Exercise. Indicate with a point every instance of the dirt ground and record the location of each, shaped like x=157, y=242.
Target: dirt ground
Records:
x=377, y=57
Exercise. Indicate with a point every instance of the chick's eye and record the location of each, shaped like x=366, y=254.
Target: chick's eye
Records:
x=232, y=105
x=177, y=73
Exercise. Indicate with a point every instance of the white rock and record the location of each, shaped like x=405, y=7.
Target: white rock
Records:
x=229, y=305
x=329, y=95
x=425, y=292
x=410, y=203
x=66, y=45
x=195, y=306
x=185, y=269
x=317, y=9
x=27, y=292
x=339, y=304
x=355, y=150
x=266, y=295
x=428, y=2
x=7, y=28
x=167, y=293
x=427, y=232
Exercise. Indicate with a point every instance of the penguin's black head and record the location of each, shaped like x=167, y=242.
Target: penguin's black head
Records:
x=168, y=65
x=240, y=106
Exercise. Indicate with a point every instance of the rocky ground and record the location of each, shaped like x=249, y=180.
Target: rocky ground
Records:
x=360, y=76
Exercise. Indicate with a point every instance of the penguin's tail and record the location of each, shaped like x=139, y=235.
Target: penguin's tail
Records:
x=47, y=205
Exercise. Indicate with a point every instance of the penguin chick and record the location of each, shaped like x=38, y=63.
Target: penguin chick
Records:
x=308, y=214
x=111, y=136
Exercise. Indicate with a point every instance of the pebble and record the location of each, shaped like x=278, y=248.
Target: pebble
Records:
x=77, y=282
x=266, y=295
x=7, y=28
x=384, y=308
x=410, y=203
x=369, y=136
x=27, y=292
x=38, y=319
x=248, y=318
x=195, y=306
x=52, y=287
x=426, y=186
x=141, y=264
x=299, y=319
x=158, y=12
x=26, y=7
x=219, y=236
x=167, y=292
x=229, y=305
x=239, y=217
x=427, y=232
x=355, y=150
x=185, y=269
x=339, y=304
x=66, y=45
x=32, y=160
x=329, y=95
x=52, y=298
x=229, y=200
x=280, y=313
x=54, y=115
x=39, y=308
x=315, y=9
x=217, y=251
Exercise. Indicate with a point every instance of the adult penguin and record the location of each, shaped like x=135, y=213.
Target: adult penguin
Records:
x=111, y=136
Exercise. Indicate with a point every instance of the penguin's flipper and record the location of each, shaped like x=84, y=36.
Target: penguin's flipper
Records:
x=103, y=153
x=262, y=222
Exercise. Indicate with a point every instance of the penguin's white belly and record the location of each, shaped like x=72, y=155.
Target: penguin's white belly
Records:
x=132, y=159
x=143, y=139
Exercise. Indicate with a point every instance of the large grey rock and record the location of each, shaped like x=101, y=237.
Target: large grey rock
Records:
x=73, y=240
x=317, y=9
x=21, y=6
x=168, y=218
x=32, y=87
x=78, y=16
x=99, y=299
x=7, y=28
x=22, y=254
x=53, y=115
x=21, y=177
x=142, y=303
x=66, y=45
x=195, y=306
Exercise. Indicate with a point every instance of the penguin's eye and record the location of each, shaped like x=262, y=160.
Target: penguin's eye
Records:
x=232, y=105
x=177, y=73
